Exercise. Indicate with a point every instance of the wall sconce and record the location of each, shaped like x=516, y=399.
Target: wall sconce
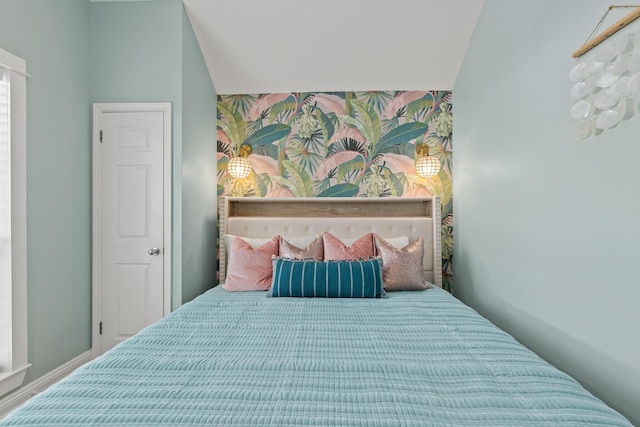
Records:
x=239, y=166
x=426, y=166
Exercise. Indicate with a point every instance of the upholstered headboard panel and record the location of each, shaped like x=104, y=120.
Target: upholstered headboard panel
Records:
x=343, y=217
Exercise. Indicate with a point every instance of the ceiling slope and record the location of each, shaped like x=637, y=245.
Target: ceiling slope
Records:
x=258, y=46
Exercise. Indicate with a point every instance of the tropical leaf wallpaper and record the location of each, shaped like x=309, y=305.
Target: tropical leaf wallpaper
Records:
x=339, y=144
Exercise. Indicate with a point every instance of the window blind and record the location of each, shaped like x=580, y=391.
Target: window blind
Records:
x=5, y=223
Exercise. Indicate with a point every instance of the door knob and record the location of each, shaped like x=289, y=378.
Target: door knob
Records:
x=155, y=251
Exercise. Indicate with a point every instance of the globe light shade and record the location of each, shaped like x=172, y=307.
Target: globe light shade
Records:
x=239, y=167
x=427, y=166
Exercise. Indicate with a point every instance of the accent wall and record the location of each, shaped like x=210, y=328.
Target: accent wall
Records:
x=339, y=144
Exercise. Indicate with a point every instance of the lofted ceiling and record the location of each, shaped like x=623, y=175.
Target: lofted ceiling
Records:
x=260, y=46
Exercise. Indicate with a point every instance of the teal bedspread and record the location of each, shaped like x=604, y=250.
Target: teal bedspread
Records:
x=412, y=359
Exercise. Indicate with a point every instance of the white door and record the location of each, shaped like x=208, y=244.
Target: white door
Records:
x=131, y=198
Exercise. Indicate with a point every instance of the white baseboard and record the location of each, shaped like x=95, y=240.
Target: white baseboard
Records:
x=20, y=396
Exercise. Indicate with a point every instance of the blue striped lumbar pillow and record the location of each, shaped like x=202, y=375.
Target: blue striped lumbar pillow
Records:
x=332, y=279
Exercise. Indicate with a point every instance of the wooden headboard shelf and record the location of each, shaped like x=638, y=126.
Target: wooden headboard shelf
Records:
x=329, y=207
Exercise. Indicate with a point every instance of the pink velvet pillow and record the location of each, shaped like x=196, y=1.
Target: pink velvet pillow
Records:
x=313, y=250
x=251, y=269
x=334, y=249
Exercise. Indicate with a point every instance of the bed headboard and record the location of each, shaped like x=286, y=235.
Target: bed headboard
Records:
x=344, y=217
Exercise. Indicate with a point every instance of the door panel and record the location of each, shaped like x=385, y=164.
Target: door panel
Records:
x=132, y=223
x=133, y=212
x=132, y=287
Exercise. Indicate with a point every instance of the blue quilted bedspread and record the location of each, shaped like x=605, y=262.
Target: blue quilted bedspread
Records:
x=412, y=359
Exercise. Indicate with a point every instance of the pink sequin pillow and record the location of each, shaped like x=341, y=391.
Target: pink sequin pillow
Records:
x=335, y=250
x=251, y=269
x=314, y=250
x=402, y=268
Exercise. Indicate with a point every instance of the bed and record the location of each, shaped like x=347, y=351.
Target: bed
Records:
x=409, y=358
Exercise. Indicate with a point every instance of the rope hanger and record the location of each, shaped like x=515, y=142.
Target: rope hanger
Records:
x=617, y=26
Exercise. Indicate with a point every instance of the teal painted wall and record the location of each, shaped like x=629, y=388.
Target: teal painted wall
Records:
x=53, y=37
x=147, y=52
x=198, y=169
x=136, y=56
x=546, y=226
x=79, y=53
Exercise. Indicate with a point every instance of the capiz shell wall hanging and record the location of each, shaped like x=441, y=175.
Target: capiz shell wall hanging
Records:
x=606, y=83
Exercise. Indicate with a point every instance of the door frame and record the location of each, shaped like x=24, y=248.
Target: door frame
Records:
x=96, y=187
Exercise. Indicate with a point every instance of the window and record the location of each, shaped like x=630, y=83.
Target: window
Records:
x=13, y=233
x=5, y=224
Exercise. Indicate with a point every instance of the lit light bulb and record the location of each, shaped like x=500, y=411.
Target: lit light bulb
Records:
x=427, y=166
x=239, y=167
